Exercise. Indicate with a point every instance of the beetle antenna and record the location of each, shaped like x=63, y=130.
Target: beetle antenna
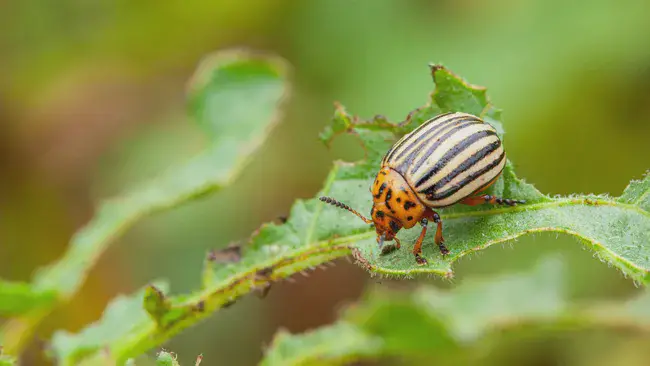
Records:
x=342, y=205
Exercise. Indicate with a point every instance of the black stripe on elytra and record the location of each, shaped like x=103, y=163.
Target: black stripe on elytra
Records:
x=438, y=142
x=419, y=142
x=389, y=194
x=425, y=135
x=458, y=149
x=465, y=165
x=470, y=178
x=381, y=190
x=435, y=139
x=416, y=130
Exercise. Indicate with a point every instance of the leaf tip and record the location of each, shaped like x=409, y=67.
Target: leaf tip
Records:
x=341, y=122
x=155, y=303
x=208, y=64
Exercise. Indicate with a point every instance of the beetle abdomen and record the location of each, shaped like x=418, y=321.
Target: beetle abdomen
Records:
x=448, y=158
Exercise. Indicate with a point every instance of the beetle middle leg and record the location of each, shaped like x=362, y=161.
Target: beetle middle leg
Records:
x=486, y=198
x=439, y=240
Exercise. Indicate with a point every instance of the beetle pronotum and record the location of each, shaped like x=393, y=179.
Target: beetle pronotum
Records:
x=451, y=158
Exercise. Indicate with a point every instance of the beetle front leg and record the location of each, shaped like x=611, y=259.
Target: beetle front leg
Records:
x=486, y=198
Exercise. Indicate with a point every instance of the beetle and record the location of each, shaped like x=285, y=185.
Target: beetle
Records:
x=451, y=158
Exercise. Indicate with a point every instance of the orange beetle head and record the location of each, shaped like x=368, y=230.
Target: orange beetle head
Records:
x=395, y=205
x=385, y=225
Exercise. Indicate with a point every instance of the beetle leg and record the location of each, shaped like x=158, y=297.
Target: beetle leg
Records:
x=486, y=198
x=397, y=243
x=440, y=241
x=417, y=248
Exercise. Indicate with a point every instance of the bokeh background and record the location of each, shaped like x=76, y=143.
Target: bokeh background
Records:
x=92, y=101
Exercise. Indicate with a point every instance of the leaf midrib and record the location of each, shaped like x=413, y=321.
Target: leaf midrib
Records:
x=514, y=209
x=559, y=202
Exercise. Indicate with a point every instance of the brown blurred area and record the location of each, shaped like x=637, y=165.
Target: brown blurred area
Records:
x=92, y=101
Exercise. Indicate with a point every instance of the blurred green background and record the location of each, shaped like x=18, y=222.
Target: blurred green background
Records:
x=92, y=100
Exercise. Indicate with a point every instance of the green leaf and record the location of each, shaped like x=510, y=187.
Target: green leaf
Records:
x=427, y=324
x=160, y=317
x=123, y=316
x=618, y=230
x=338, y=344
x=316, y=233
x=235, y=96
x=6, y=360
x=18, y=298
x=166, y=359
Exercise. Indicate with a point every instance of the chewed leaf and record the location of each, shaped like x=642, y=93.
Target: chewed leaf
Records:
x=618, y=230
x=425, y=325
x=637, y=193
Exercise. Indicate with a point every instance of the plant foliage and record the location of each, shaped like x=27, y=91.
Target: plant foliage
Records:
x=235, y=100
x=426, y=325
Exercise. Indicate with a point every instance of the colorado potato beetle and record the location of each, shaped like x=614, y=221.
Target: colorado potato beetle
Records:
x=451, y=158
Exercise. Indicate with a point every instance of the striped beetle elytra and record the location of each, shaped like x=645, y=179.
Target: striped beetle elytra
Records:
x=449, y=159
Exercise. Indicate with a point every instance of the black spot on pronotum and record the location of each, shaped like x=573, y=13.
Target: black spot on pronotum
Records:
x=389, y=194
x=410, y=218
x=394, y=226
x=381, y=190
x=408, y=205
x=398, y=200
x=382, y=172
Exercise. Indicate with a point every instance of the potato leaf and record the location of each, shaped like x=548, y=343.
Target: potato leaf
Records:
x=428, y=323
x=18, y=298
x=617, y=229
x=120, y=319
x=234, y=96
x=316, y=233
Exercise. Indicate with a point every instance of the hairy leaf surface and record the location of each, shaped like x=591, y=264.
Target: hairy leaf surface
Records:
x=428, y=323
x=617, y=229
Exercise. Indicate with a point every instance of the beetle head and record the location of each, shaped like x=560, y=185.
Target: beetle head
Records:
x=385, y=226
